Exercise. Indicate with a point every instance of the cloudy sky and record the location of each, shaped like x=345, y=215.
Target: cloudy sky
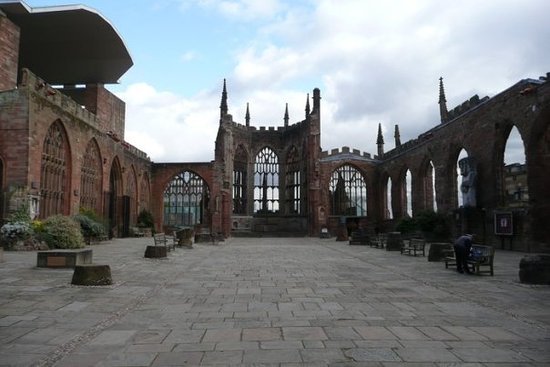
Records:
x=374, y=61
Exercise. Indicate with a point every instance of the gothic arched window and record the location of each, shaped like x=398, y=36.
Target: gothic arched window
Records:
x=240, y=175
x=293, y=182
x=266, y=182
x=90, y=178
x=54, y=183
x=185, y=200
x=348, y=192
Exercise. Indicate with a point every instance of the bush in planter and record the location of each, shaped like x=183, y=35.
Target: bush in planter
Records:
x=145, y=219
x=433, y=225
x=62, y=232
x=12, y=233
x=407, y=225
x=89, y=227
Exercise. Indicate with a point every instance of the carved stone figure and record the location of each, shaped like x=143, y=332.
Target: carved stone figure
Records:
x=468, y=187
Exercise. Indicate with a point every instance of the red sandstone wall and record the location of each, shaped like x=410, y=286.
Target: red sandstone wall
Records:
x=9, y=53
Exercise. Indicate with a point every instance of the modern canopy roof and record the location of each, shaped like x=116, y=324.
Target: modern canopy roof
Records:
x=70, y=44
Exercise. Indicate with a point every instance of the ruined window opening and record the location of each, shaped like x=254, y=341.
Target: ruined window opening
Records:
x=185, y=200
x=515, y=188
x=90, y=179
x=53, y=175
x=408, y=193
x=348, y=192
x=240, y=176
x=388, y=212
x=293, y=182
x=266, y=182
x=429, y=188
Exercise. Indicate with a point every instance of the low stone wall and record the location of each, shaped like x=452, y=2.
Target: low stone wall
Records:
x=63, y=258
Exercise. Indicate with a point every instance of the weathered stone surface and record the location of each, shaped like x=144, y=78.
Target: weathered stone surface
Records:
x=155, y=252
x=439, y=250
x=394, y=242
x=63, y=258
x=92, y=274
x=535, y=269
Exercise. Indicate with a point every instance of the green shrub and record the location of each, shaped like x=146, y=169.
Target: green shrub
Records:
x=145, y=219
x=433, y=224
x=407, y=225
x=89, y=227
x=21, y=215
x=62, y=232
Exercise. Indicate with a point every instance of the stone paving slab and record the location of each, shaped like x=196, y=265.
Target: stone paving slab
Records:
x=271, y=302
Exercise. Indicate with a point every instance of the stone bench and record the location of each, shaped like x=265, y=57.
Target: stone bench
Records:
x=91, y=274
x=63, y=258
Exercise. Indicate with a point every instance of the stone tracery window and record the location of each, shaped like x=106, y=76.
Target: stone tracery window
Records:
x=54, y=183
x=185, y=200
x=90, y=178
x=240, y=176
x=293, y=182
x=348, y=192
x=266, y=182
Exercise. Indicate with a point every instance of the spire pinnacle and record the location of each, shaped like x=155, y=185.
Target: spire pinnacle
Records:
x=442, y=102
x=380, y=141
x=286, y=115
x=223, y=105
x=307, y=106
x=397, y=136
x=247, y=115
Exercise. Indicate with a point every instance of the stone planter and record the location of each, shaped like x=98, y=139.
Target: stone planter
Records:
x=439, y=251
x=91, y=274
x=155, y=252
x=394, y=242
x=535, y=269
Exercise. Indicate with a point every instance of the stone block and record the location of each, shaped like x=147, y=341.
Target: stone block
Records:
x=91, y=274
x=63, y=258
x=394, y=242
x=439, y=251
x=535, y=269
x=154, y=252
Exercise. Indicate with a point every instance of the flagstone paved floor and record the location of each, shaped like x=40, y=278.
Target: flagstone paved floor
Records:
x=271, y=302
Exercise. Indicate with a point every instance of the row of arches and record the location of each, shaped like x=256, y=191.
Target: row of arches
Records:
x=117, y=199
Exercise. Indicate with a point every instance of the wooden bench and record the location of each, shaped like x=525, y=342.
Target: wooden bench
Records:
x=481, y=257
x=137, y=232
x=162, y=239
x=414, y=246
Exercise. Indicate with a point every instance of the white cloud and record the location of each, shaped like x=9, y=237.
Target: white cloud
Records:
x=169, y=127
x=375, y=62
x=189, y=56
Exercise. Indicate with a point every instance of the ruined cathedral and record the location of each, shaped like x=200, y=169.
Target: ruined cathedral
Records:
x=62, y=148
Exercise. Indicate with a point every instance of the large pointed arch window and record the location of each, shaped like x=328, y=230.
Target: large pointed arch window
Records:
x=185, y=200
x=348, y=192
x=54, y=183
x=266, y=182
x=90, y=178
x=293, y=182
x=240, y=175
